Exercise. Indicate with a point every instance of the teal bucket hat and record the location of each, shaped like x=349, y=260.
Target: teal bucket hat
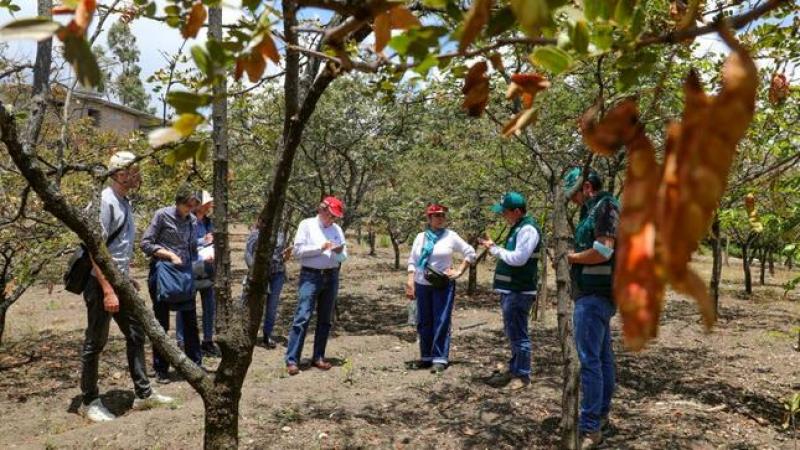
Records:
x=570, y=182
x=510, y=200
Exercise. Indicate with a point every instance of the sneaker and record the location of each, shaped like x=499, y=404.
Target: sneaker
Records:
x=268, y=343
x=518, y=383
x=155, y=399
x=438, y=368
x=210, y=349
x=96, y=411
x=163, y=378
x=591, y=440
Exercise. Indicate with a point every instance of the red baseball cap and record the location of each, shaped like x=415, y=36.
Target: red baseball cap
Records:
x=334, y=205
x=434, y=208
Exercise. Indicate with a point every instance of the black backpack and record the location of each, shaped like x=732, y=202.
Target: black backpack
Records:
x=79, y=267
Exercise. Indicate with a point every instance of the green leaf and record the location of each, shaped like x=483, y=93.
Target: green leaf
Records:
x=201, y=60
x=435, y=4
x=551, y=58
x=580, y=36
x=182, y=152
x=532, y=15
x=623, y=13
x=500, y=22
x=591, y=9
x=400, y=43
x=627, y=79
x=606, y=8
x=426, y=64
x=251, y=4
x=36, y=28
x=80, y=56
x=602, y=36
x=150, y=10
x=637, y=22
x=185, y=102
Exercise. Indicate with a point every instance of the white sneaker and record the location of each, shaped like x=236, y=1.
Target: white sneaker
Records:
x=96, y=411
x=155, y=399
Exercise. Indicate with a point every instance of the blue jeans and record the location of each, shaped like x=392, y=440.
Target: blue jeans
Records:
x=273, y=300
x=593, y=341
x=209, y=312
x=314, y=289
x=516, y=308
x=434, y=313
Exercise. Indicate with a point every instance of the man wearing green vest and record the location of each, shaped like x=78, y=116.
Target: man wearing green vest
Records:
x=592, y=271
x=516, y=278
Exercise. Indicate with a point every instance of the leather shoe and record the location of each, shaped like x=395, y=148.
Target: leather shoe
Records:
x=292, y=369
x=321, y=364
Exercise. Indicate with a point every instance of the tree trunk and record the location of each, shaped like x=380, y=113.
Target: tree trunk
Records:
x=541, y=300
x=771, y=261
x=472, y=281
x=3, y=311
x=371, y=241
x=762, y=276
x=727, y=251
x=571, y=367
x=748, y=282
x=396, y=248
x=716, y=265
x=222, y=415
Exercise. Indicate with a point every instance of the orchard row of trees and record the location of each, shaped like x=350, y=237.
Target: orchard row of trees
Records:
x=387, y=126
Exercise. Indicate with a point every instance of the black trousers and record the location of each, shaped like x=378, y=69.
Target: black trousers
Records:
x=98, y=320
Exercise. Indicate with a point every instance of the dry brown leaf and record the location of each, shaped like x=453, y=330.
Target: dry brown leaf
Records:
x=518, y=123
x=402, y=19
x=84, y=13
x=267, y=48
x=618, y=127
x=383, y=31
x=778, y=88
x=476, y=89
x=477, y=18
x=197, y=17
x=526, y=86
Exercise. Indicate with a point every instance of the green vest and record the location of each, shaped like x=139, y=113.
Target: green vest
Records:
x=519, y=278
x=592, y=278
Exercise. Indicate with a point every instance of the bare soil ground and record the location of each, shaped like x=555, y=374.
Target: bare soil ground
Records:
x=688, y=390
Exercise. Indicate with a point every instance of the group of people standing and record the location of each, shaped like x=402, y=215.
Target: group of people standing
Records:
x=179, y=238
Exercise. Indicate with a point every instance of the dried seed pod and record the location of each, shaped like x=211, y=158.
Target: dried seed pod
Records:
x=778, y=88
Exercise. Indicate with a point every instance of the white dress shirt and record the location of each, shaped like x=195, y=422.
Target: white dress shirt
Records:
x=442, y=257
x=311, y=235
x=527, y=240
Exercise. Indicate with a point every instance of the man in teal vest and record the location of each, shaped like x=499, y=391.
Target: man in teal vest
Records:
x=516, y=278
x=592, y=271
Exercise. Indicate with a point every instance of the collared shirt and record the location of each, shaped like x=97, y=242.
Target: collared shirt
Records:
x=311, y=235
x=168, y=231
x=527, y=240
x=113, y=212
x=204, y=226
x=277, y=254
x=442, y=257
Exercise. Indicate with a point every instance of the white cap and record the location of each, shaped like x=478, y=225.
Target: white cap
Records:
x=205, y=197
x=120, y=160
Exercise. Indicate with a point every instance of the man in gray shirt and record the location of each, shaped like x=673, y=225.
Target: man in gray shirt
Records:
x=102, y=304
x=170, y=237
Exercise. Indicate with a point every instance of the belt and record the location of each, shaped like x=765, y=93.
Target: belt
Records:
x=320, y=271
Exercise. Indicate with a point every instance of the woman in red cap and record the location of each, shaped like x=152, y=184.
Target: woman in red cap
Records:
x=431, y=280
x=320, y=247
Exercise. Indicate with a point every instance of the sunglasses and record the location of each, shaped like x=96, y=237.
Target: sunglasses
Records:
x=438, y=214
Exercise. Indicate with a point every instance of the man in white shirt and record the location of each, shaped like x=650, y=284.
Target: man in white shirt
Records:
x=516, y=278
x=319, y=245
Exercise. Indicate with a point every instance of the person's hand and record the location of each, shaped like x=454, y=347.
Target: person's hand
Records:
x=208, y=238
x=110, y=302
x=136, y=285
x=327, y=246
x=175, y=259
x=338, y=248
x=452, y=273
x=486, y=243
x=209, y=259
x=410, y=291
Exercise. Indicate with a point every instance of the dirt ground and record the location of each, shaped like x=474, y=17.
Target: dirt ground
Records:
x=688, y=390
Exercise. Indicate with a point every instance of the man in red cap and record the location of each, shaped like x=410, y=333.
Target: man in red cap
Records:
x=319, y=245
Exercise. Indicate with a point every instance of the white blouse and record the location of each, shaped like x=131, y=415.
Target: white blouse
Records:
x=442, y=257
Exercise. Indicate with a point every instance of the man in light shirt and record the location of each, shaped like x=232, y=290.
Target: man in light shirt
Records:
x=319, y=245
x=515, y=279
